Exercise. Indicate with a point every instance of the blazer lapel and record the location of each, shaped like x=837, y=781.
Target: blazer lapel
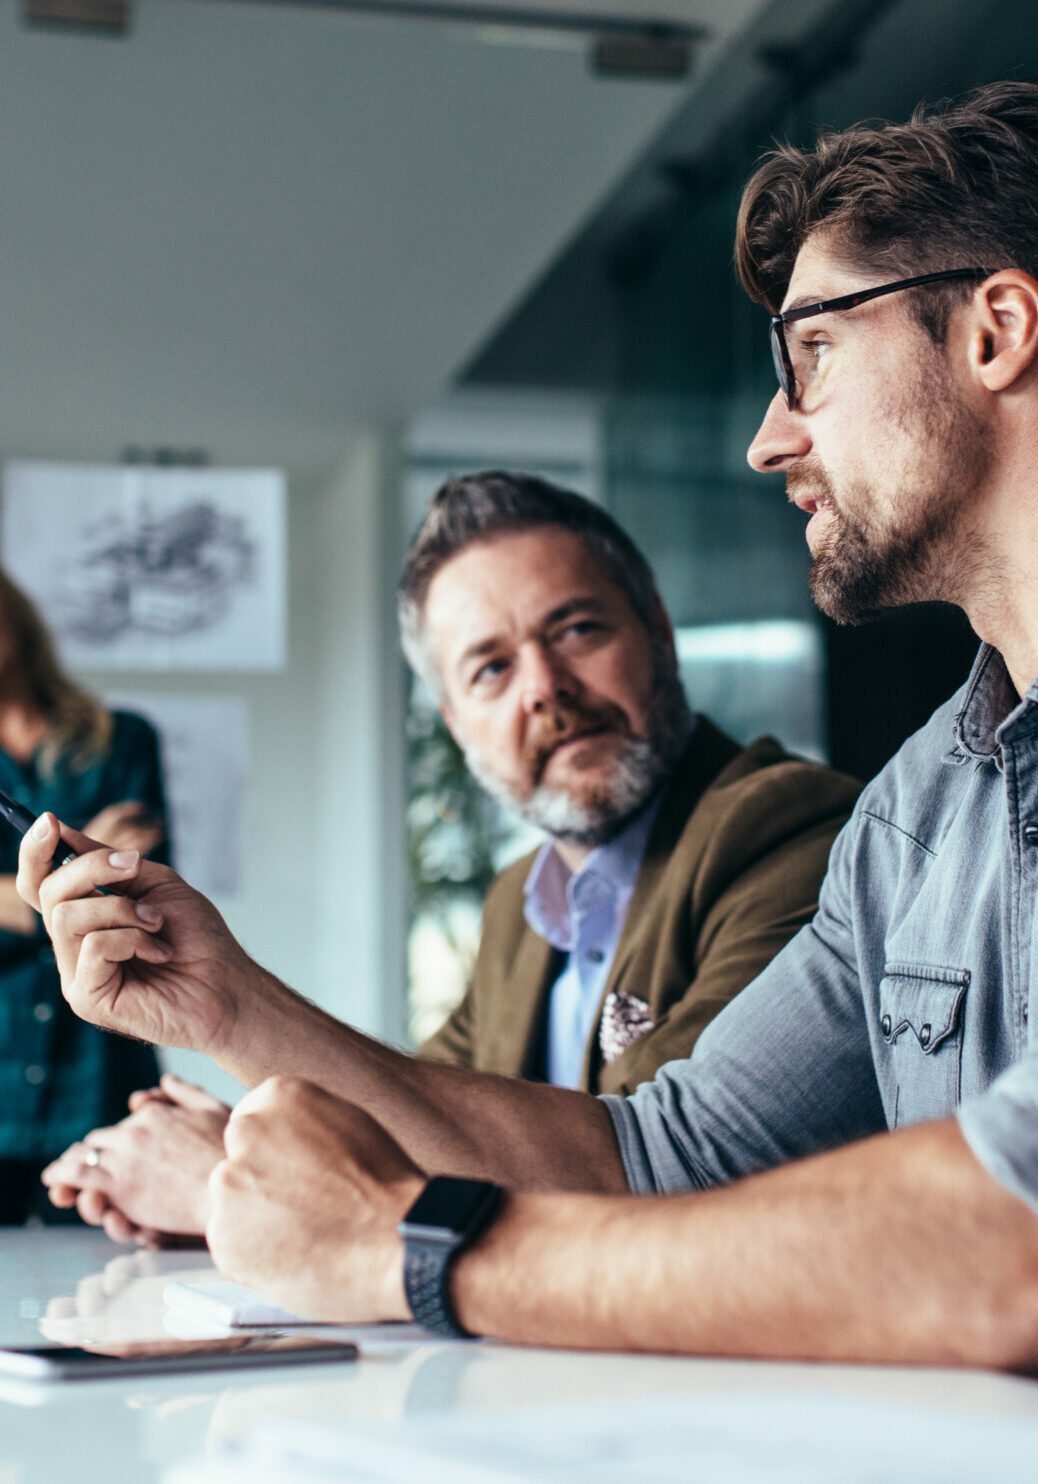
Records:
x=708, y=752
x=515, y=1037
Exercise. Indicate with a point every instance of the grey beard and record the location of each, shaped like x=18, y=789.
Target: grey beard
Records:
x=641, y=766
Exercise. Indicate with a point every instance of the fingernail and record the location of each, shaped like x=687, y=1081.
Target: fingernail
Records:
x=148, y=914
x=122, y=860
x=41, y=828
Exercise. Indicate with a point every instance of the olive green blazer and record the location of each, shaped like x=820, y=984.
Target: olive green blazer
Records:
x=731, y=872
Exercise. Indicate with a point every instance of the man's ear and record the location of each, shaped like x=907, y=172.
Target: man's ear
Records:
x=1004, y=338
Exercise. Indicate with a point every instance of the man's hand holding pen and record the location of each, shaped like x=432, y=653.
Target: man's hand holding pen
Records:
x=152, y=959
x=303, y=1170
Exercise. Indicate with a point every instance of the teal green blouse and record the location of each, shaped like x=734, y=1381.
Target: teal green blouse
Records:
x=60, y=1077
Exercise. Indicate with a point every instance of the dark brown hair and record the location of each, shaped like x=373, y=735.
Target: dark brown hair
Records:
x=955, y=187
x=479, y=507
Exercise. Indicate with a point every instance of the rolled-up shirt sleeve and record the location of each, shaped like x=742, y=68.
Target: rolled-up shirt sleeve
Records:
x=784, y=1071
x=1001, y=1128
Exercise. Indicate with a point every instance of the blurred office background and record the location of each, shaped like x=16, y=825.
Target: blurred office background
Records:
x=373, y=250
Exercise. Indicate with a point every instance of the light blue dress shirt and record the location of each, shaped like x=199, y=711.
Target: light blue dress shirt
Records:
x=582, y=915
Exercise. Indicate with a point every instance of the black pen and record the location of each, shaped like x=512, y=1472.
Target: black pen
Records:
x=21, y=820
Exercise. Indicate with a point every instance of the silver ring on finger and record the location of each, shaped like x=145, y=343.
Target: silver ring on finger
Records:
x=92, y=1157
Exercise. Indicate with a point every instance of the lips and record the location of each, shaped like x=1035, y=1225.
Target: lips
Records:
x=808, y=487
x=562, y=745
x=572, y=747
x=563, y=728
x=811, y=504
x=577, y=737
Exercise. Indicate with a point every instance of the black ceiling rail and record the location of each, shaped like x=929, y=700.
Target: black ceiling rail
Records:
x=517, y=17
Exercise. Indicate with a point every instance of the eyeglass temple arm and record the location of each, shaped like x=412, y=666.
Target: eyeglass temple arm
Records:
x=851, y=301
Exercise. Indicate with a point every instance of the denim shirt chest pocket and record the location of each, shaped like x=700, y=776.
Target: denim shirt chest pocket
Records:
x=920, y=1025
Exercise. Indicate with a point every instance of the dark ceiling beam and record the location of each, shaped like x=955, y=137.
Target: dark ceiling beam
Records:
x=617, y=45
x=579, y=23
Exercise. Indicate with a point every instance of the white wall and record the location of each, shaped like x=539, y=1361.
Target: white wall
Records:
x=361, y=901
x=321, y=901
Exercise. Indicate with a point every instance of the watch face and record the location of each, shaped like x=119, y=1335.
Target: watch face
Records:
x=450, y=1204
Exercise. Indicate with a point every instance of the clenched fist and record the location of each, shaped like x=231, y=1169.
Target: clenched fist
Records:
x=305, y=1206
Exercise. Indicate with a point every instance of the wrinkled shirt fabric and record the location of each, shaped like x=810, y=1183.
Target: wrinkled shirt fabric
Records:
x=911, y=994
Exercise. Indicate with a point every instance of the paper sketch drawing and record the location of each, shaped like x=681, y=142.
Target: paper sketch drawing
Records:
x=152, y=568
x=159, y=574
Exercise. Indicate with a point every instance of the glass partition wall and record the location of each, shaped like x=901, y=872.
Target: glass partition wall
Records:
x=643, y=318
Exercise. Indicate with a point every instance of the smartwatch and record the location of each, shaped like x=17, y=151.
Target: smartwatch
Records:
x=447, y=1216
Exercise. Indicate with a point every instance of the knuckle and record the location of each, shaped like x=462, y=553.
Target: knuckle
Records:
x=281, y=1085
x=289, y=1090
x=90, y=955
x=61, y=914
x=241, y=1127
x=223, y=1182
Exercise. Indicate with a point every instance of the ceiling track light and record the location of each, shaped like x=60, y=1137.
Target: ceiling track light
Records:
x=618, y=46
x=106, y=17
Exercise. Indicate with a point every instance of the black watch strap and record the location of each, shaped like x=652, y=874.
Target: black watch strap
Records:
x=463, y=1209
x=426, y=1273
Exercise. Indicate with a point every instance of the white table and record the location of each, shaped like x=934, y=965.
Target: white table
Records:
x=80, y=1288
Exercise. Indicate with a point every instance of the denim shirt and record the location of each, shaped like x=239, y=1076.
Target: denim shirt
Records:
x=907, y=998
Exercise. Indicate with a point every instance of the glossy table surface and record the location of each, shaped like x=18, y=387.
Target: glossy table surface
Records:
x=75, y=1287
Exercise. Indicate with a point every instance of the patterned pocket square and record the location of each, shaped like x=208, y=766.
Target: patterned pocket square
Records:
x=624, y=1019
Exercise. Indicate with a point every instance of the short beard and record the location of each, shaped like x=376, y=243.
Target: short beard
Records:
x=639, y=768
x=861, y=570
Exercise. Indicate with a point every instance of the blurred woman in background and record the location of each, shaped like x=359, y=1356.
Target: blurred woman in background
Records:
x=98, y=770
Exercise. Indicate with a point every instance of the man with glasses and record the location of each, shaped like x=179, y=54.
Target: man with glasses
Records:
x=850, y=1155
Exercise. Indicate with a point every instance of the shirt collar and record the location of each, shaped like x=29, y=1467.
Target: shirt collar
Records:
x=554, y=893
x=991, y=708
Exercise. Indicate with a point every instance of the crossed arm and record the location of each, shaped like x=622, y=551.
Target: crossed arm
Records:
x=899, y=1248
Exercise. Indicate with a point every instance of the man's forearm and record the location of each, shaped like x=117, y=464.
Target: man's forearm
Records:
x=451, y=1120
x=898, y=1249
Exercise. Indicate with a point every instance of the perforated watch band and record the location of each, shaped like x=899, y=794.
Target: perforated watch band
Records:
x=426, y=1273
x=448, y=1215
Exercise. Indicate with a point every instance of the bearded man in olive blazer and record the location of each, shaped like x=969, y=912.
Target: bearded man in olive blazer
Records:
x=677, y=863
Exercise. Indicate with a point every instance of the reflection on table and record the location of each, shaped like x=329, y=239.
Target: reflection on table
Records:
x=478, y=1410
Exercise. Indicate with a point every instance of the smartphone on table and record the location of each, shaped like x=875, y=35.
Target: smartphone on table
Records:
x=167, y=1357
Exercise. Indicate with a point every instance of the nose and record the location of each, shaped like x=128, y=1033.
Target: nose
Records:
x=543, y=681
x=781, y=438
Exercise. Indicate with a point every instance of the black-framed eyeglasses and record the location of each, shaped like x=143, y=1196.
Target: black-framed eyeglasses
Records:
x=784, y=368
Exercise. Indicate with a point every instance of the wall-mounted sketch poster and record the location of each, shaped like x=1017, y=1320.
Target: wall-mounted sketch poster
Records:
x=204, y=758
x=152, y=569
